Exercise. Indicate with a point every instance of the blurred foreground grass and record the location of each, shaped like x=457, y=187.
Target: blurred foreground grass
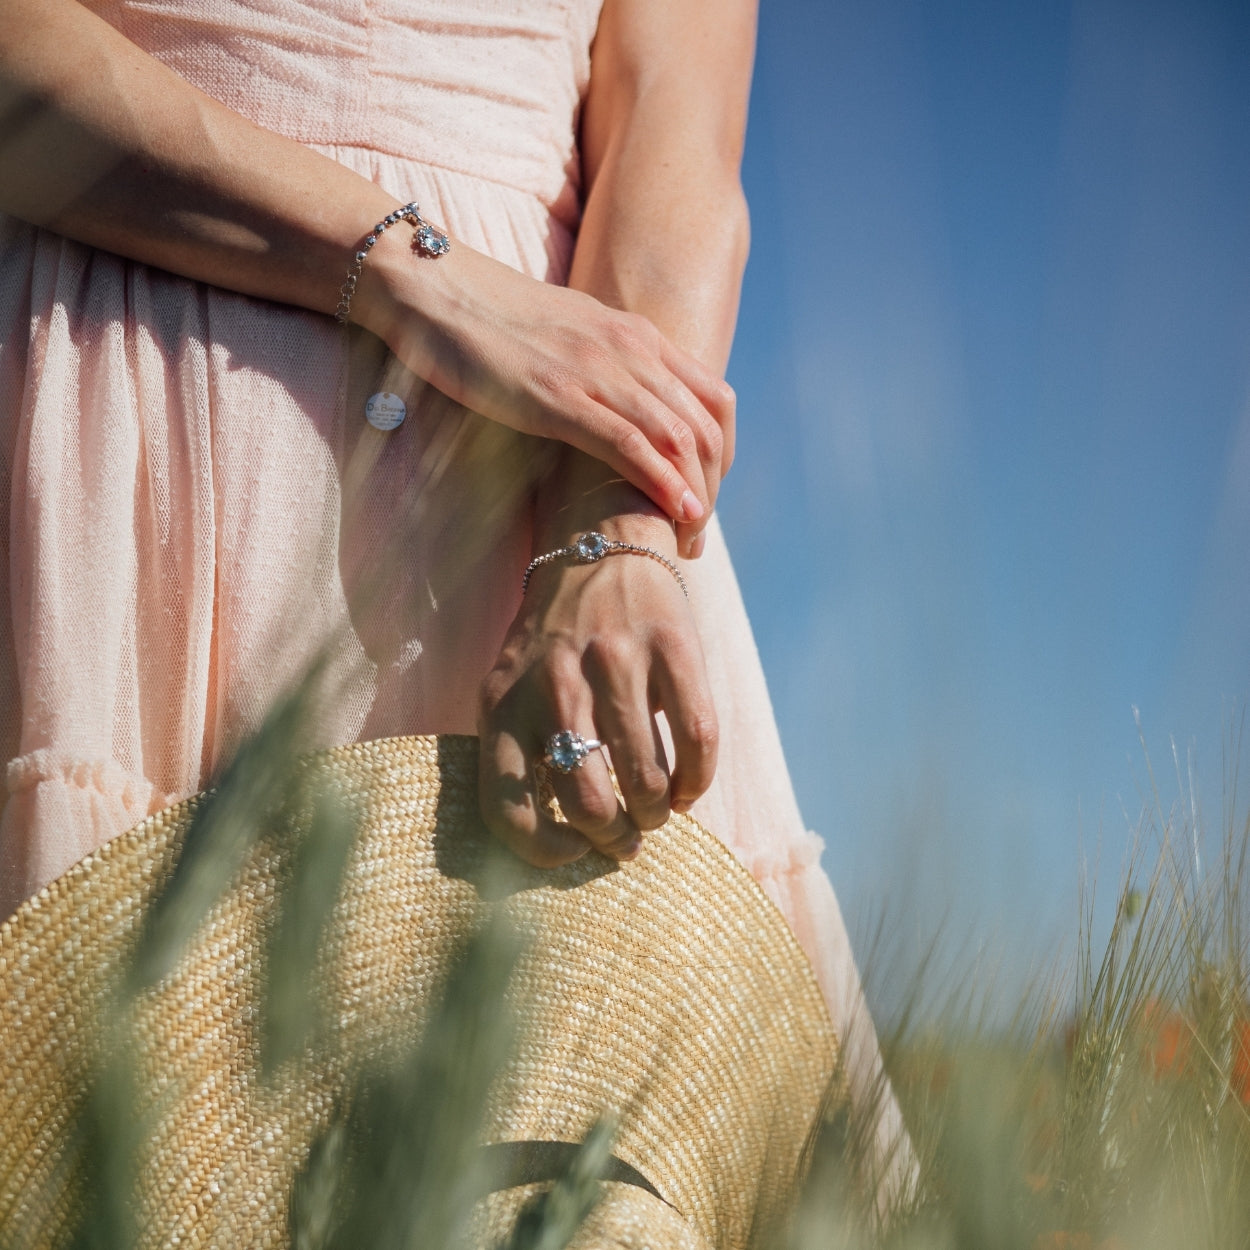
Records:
x=1112, y=1111
x=398, y=1163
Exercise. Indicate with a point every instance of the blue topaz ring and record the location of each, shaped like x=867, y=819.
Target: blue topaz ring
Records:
x=567, y=750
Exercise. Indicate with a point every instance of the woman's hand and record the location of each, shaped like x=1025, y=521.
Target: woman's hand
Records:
x=597, y=649
x=555, y=362
x=112, y=148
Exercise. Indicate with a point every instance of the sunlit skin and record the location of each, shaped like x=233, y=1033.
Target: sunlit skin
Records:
x=604, y=647
x=101, y=142
x=104, y=144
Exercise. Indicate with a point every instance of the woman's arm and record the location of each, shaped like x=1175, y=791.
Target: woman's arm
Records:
x=665, y=229
x=600, y=649
x=101, y=142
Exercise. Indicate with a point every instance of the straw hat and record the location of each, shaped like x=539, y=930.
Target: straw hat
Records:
x=668, y=990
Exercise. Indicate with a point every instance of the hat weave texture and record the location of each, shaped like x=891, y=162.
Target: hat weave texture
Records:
x=668, y=990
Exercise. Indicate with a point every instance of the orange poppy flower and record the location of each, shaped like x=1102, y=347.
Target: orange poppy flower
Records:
x=1239, y=1078
x=1169, y=1037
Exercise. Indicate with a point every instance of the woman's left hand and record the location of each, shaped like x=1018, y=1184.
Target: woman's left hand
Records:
x=598, y=649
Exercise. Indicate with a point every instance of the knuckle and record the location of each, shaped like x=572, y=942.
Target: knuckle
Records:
x=535, y=852
x=681, y=439
x=652, y=818
x=646, y=780
x=643, y=326
x=610, y=653
x=632, y=443
x=711, y=442
x=679, y=649
x=562, y=676
x=503, y=824
x=620, y=333
x=621, y=846
x=549, y=852
x=491, y=694
x=702, y=730
x=597, y=809
x=631, y=331
x=553, y=379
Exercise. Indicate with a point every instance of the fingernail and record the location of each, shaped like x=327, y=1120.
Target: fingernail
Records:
x=691, y=508
x=696, y=547
x=632, y=849
x=682, y=806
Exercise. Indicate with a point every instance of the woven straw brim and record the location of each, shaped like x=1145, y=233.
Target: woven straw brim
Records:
x=627, y=1218
x=668, y=990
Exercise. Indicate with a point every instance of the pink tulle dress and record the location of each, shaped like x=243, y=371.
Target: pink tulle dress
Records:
x=196, y=504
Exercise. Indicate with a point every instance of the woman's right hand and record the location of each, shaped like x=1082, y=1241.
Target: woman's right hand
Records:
x=555, y=362
x=114, y=149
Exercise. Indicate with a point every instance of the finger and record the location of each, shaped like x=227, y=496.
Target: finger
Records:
x=511, y=810
x=676, y=425
x=617, y=674
x=688, y=434
x=691, y=541
x=729, y=433
x=587, y=799
x=590, y=806
x=711, y=390
x=605, y=435
x=681, y=690
x=638, y=758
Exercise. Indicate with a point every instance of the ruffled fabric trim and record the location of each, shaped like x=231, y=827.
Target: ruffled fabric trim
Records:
x=106, y=776
x=776, y=862
x=60, y=808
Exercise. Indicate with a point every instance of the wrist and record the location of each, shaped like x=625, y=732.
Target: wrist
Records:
x=581, y=495
x=393, y=285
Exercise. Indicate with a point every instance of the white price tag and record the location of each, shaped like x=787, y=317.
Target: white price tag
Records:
x=385, y=411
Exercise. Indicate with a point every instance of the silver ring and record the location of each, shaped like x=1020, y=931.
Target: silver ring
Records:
x=567, y=750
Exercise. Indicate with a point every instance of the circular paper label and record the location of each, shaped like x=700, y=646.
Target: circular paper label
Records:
x=385, y=411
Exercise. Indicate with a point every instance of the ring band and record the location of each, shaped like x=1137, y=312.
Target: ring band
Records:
x=592, y=547
x=567, y=751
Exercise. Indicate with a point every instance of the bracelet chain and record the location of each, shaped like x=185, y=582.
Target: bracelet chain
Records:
x=592, y=547
x=427, y=240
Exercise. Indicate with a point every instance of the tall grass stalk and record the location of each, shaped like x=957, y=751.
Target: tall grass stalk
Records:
x=1112, y=1109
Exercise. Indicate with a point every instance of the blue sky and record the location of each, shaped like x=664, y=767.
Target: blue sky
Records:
x=993, y=488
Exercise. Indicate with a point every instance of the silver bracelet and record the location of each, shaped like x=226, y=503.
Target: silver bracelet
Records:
x=592, y=547
x=427, y=240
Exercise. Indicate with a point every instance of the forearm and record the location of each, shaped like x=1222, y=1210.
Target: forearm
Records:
x=101, y=142
x=672, y=248
x=664, y=234
x=665, y=228
x=604, y=648
x=664, y=238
